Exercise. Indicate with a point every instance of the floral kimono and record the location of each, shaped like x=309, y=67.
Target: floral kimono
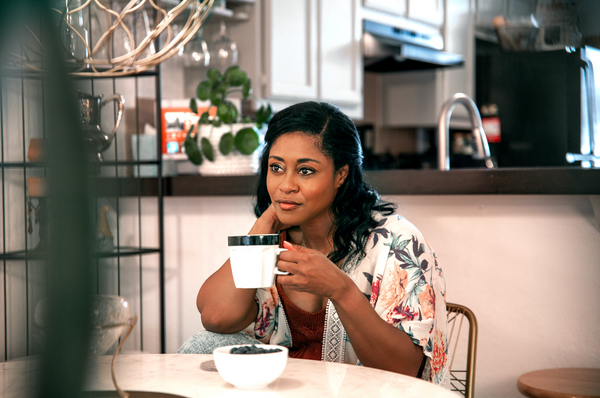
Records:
x=400, y=277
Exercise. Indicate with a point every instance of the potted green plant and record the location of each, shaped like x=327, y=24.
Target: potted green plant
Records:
x=226, y=143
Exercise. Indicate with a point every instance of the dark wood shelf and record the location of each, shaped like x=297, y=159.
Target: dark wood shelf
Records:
x=533, y=181
x=517, y=181
x=196, y=185
x=123, y=251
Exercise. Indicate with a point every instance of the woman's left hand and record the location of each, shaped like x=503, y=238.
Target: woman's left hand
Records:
x=376, y=343
x=312, y=272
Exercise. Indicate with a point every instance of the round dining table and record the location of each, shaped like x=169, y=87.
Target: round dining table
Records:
x=195, y=375
x=560, y=383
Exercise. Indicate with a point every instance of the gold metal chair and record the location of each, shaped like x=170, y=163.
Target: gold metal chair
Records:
x=462, y=381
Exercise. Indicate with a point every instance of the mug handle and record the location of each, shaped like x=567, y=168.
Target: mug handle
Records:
x=277, y=271
x=121, y=103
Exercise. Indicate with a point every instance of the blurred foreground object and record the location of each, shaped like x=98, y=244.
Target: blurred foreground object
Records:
x=109, y=319
x=99, y=41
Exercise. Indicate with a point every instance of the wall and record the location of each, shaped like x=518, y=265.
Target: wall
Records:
x=528, y=266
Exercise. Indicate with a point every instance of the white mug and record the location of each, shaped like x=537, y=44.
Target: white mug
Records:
x=253, y=260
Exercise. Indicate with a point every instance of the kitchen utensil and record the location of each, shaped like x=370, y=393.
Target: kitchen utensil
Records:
x=96, y=139
x=254, y=260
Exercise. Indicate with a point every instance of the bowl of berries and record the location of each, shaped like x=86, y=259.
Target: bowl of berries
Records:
x=250, y=366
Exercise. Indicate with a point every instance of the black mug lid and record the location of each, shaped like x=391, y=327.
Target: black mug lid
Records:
x=253, y=240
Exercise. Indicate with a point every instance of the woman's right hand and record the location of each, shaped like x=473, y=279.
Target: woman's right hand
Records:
x=268, y=223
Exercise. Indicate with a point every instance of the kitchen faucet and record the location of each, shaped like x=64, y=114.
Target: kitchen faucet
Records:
x=481, y=144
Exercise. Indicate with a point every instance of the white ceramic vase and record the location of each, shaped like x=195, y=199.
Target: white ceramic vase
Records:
x=235, y=163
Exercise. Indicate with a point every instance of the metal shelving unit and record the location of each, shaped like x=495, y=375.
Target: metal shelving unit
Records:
x=134, y=268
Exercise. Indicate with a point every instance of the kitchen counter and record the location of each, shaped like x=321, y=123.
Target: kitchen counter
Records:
x=517, y=181
x=507, y=181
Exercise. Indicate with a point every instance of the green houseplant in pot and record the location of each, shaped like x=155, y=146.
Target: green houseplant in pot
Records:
x=228, y=143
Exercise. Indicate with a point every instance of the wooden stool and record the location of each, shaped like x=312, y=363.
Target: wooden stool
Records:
x=560, y=383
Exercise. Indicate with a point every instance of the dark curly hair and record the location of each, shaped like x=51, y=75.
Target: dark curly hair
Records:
x=355, y=201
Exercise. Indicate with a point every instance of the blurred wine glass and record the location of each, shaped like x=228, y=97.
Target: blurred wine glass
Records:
x=223, y=51
x=138, y=24
x=195, y=52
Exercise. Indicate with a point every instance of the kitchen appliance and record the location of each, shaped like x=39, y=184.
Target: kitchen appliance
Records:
x=391, y=49
x=547, y=105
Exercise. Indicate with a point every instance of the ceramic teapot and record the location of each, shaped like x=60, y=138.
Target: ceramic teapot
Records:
x=97, y=141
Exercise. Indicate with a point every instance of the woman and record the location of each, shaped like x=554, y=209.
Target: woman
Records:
x=364, y=288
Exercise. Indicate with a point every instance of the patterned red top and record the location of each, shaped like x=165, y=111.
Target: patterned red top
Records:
x=307, y=329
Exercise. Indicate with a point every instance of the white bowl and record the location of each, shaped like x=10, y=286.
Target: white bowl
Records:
x=250, y=371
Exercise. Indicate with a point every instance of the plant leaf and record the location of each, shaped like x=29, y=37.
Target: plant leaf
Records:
x=226, y=143
x=246, y=140
x=237, y=78
x=203, y=91
x=247, y=88
x=222, y=87
x=227, y=112
x=260, y=115
x=207, y=149
x=193, y=106
x=229, y=71
x=216, y=97
x=263, y=114
x=268, y=114
x=190, y=146
x=204, y=118
x=234, y=112
x=224, y=112
x=213, y=75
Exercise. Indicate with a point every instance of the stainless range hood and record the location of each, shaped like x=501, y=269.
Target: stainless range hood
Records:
x=390, y=49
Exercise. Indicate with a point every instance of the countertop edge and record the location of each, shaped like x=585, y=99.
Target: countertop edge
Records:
x=535, y=181
x=521, y=181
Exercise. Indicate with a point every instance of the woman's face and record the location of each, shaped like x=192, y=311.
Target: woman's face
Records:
x=301, y=180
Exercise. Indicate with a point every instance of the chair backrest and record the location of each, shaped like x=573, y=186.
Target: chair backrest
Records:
x=462, y=370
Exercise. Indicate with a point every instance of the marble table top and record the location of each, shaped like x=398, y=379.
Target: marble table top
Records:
x=193, y=376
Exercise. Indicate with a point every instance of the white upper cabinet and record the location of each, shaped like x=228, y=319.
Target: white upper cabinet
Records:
x=340, y=59
x=428, y=11
x=392, y=6
x=291, y=49
x=312, y=52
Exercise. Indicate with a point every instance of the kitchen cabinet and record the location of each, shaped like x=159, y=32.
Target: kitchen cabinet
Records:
x=301, y=50
x=312, y=52
x=340, y=60
x=428, y=11
x=397, y=7
x=291, y=50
